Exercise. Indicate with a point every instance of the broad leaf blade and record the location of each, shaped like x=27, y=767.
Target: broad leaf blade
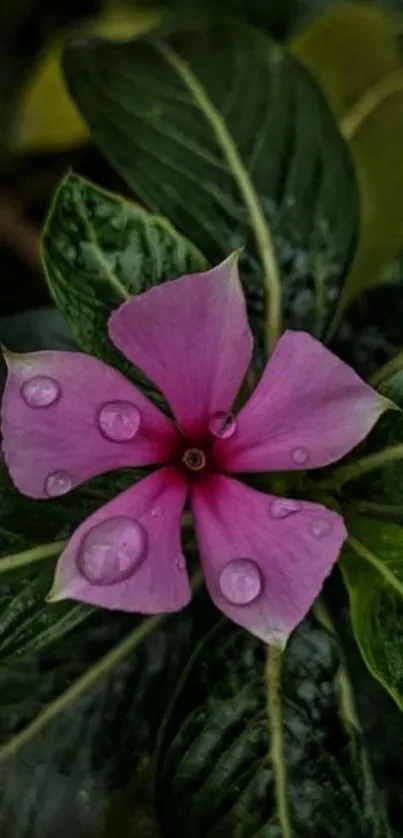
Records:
x=215, y=776
x=99, y=249
x=353, y=52
x=145, y=120
x=372, y=568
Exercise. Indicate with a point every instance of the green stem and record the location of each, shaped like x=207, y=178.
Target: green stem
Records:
x=380, y=566
x=366, y=464
x=369, y=507
x=274, y=710
x=35, y=554
x=388, y=369
x=263, y=236
x=64, y=701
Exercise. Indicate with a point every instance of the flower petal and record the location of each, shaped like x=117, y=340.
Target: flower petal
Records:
x=264, y=558
x=308, y=410
x=191, y=338
x=67, y=417
x=127, y=556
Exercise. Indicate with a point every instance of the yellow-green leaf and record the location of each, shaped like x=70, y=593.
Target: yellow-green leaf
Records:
x=48, y=120
x=372, y=568
x=353, y=54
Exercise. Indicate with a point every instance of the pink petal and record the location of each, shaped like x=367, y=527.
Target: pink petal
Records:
x=53, y=407
x=309, y=409
x=264, y=558
x=149, y=574
x=191, y=338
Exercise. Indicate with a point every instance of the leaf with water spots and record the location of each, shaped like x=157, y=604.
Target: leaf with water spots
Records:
x=372, y=568
x=140, y=104
x=98, y=249
x=220, y=773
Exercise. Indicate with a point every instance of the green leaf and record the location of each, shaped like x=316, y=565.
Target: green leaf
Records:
x=98, y=249
x=372, y=568
x=26, y=621
x=218, y=770
x=144, y=116
x=353, y=53
x=380, y=492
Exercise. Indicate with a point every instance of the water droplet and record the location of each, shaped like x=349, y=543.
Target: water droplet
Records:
x=180, y=562
x=241, y=581
x=222, y=425
x=300, y=455
x=119, y=421
x=320, y=527
x=283, y=507
x=40, y=391
x=58, y=483
x=112, y=550
x=156, y=512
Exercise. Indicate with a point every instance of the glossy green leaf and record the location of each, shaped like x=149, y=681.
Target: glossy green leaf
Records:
x=353, y=52
x=372, y=568
x=143, y=115
x=98, y=249
x=380, y=492
x=27, y=622
x=217, y=766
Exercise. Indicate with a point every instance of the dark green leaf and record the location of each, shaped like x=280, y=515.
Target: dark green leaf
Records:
x=98, y=249
x=382, y=488
x=372, y=567
x=26, y=621
x=215, y=776
x=145, y=119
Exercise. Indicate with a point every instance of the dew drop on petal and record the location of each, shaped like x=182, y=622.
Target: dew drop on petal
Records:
x=156, y=512
x=300, y=455
x=320, y=527
x=111, y=551
x=180, y=562
x=241, y=581
x=283, y=507
x=58, y=483
x=40, y=391
x=222, y=425
x=119, y=421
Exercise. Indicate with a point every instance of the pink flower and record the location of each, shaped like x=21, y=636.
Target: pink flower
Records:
x=68, y=417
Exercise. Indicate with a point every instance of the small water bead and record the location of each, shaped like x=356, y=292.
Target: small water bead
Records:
x=58, y=483
x=112, y=550
x=320, y=527
x=180, y=562
x=40, y=391
x=119, y=421
x=241, y=581
x=156, y=512
x=300, y=455
x=283, y=507
x=222, y=425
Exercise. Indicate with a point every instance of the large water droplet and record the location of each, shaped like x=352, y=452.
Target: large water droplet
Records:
x=119, y=421
x=283, y=507
x=241, y=581
x=300, y=455
x=222, y=425
x=112, y=550
x=320, y=527
x=40, y=391
x=58, y=483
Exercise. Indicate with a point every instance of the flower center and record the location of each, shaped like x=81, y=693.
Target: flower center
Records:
x=194, y=459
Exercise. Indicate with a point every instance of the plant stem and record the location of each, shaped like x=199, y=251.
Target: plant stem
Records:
x=27, y=557
x=263, y=236
x=274, y=710
x=388, y=369
x=366, y=464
